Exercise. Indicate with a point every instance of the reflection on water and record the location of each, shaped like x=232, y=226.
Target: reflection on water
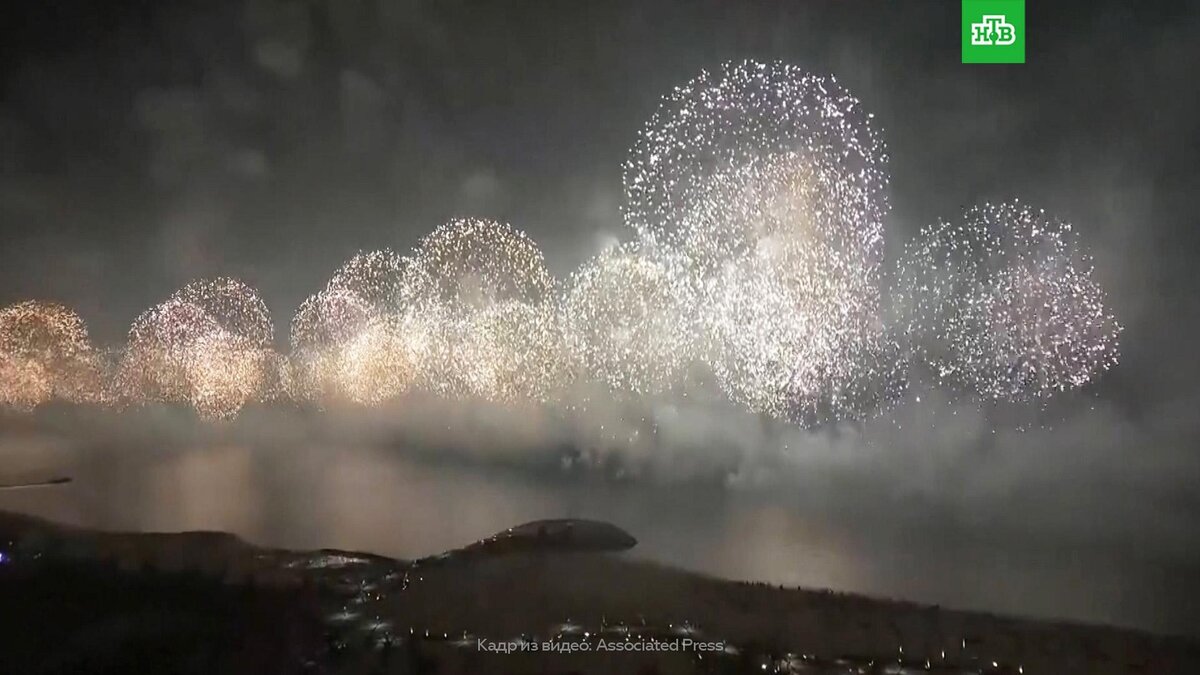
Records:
x=387, y=501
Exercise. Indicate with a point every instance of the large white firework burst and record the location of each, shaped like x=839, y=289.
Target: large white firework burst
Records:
x=771, y=181
x=329, y=319
x=1003, y=304
x=791, y=342
x=515, y=352
x=322, y=327
x=757, y=193
x=754, y=150
x=225, y=372
x=161, y=340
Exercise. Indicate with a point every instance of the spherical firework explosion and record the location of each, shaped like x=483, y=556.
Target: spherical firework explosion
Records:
x=321, y=328
x=236, y=308
x=1003, y=305
x=45, y=354
x=470, y=314
x=473, y=263
x=157, y=353
x=42, y=330
x=629, y=319
x=757, y=151
x=490, y=298
x=367, y=337
x=225, y=372
x=207, y=345
x=329, y=320
x=24, y=383
x=771, y=181
x=383, y=279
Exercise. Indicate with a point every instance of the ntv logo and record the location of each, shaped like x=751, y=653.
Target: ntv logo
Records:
x=993, y=31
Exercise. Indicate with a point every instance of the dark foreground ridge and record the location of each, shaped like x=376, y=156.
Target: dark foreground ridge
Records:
x=546, y=597
x=560, y=535
x=62, y=480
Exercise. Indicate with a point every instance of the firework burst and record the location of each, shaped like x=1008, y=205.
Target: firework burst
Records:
x=383, y=360
x=791, y=341
x=758, y=150
x=489, y=299
x=1003, y=305
x=208, y=345
x=757, y=194
x=326, y=324
x=474, y=263
x=629, y=319
x=516, y=352
x=772, y=183
x=45, y=354
x=384, y=279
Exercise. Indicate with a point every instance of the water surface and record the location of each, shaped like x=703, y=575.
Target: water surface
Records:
x=385, y=499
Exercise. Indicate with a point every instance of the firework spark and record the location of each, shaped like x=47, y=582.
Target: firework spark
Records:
x=757, y=194
x=629, y=319
x=364, y=337
x=329, y=319
x=382, y=361
x=474, y=263
x=325, y=323
x=1003, y=304
x=208, y=345
x=45, y=354
x=793, y=343
x=489, y=298
x=772, y=182
x=384, y=279
x=470, y=314
x=757, y=150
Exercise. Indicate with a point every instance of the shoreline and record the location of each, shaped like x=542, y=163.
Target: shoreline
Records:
x=531, y=594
